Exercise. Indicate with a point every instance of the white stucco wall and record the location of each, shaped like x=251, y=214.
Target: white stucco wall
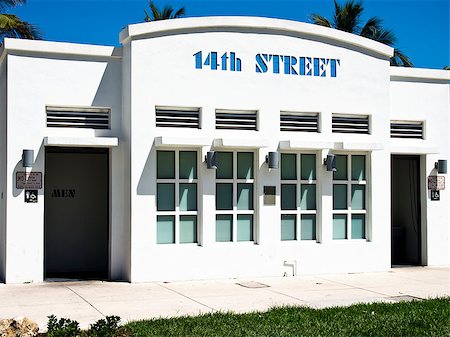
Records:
x=50, y=78
x=3, y=193
x=362, y=87
x=423, y=95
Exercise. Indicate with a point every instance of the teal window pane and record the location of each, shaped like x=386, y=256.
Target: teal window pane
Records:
x=165, y=229
x=224, y=196
x=308, y=197
x=358, y=197
x=224, y=228
x=188, y=197
x=288, y=166
x=308, y=163
x=165, y=168
x=165, y=197
x=358, y=226
x=188, y=229
x=358, y=167
x=288, y=227
x=188, y=165
x=244, y=196
x=245, y=165
x=341, y=168
x=224, y=165
x=288, y=196
x=308, y=227
x=245, y=227
x=339, y=226
x=339, y=196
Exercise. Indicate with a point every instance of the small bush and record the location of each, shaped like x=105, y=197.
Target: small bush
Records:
x=104, y=327
x=63, y=327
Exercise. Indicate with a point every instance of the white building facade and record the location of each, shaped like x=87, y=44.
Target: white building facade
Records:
x=119, y=187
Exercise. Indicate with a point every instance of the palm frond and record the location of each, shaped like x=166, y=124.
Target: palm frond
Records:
x=4, y=4
x=320, y=20
x=166, y=13
x=400, y=59
x=348, y=17
x=12, y=26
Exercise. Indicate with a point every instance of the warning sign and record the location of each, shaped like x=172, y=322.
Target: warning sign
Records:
x=436, y=183
x=29, y=181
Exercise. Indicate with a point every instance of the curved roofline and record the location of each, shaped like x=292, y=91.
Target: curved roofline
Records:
x=249, y=23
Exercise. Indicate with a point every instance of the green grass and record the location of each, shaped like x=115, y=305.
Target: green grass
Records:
x=416, y=318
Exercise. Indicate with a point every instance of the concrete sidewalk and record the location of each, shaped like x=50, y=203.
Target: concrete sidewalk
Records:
x=89, y=301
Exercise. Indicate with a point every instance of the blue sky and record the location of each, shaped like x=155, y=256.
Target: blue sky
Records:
x=422, y=27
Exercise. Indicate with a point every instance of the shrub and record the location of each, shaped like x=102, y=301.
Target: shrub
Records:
x=63, y=327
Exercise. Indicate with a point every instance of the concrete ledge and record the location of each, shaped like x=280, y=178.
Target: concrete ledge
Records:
x=82, y=141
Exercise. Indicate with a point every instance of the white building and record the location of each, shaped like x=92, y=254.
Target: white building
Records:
x=118, y=186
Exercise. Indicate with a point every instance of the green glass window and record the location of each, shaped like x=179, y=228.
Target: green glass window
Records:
x=224, y=228
x=308, y=162
x=288, y=227
x=188, y=165
x=188, y=197
x=165, y=164
x=308, y=227
x=224, y=196
x=244, y=196
x=245, y=165
x=288, y=166
x=358, y=197
x=341, y=168
x=224, y=165
x=165, y=228
x=245, y=227
x=288, y=196
x=358, y=167
x=188, y=228
x=358, y=226
x=308, y=197
x=165, y=200
x=339, y=196
x=339, y=226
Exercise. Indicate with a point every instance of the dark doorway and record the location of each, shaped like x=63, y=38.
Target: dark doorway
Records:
x=76, y=213
x=405, y=210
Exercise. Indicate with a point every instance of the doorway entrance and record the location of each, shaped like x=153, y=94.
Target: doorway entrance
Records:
x=76, y=211
x=405, y=210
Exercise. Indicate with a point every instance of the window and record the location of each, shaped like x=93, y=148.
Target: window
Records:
x=236, y=119
x=78, y=117
x=349, y=197
x=177, y=117
x=407, y=129
x=176, y=197
x=299, y=122
x=350, y=124
x=235, y=215
x=298, y=196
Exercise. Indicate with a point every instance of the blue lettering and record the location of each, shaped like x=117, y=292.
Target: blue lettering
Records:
x=261, y=66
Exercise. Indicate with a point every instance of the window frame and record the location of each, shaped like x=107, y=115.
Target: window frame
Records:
x=235, y=212
x=177, y=181
x=348, y=211
x=298, y=182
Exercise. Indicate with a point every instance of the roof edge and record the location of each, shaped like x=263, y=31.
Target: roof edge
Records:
x=282, y=26
x=51, y=47
x=420, y=73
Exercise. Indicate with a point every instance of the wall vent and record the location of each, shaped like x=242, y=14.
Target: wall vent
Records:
x=406, y=129
x=78, y=117
x=301, y=122
x=236, y=119
x=350, y=124
x=178, y=117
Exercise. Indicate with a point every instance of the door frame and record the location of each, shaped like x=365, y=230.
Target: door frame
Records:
x=81, y=149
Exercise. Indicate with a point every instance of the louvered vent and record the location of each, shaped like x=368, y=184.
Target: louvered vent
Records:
x=406, y=129
x=178, y=117
x=299, y=122
x=78, y=117
x=350, y=124
x=236, y=119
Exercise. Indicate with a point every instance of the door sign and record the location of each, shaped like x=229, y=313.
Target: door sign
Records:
x=436, y=183
x=435, y=195
x=31, y=196
x=31, y=180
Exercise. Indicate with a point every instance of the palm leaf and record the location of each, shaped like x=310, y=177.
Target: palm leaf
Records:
x=12, y=26
x=400, y=59
x=4, y=4
x=320, y=20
